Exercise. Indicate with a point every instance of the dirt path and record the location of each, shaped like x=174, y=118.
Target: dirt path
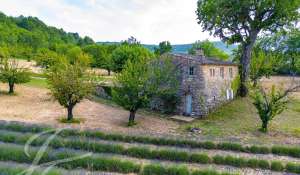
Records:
x=34, y=105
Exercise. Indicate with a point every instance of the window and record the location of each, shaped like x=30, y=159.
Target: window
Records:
x=229, y=94
x=191, y=71
x=222, y=72
x=230, y=72
x=212, y=72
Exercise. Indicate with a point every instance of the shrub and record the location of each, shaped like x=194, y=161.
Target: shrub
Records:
x=263, y=164
x=237, y=162
x=230, y=146
x=259, y=150
x=277, y=166
x=200, y=158
x=253, y=163
x=289, y=151
x=292, y=168
x=218, y=159
x=160, y=170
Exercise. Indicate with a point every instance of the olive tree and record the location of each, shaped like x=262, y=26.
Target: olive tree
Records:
x=142, y=79
x=243, y=21
x=12, y=73
x=69, y=84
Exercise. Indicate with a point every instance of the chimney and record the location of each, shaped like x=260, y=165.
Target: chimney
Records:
x=199, y=52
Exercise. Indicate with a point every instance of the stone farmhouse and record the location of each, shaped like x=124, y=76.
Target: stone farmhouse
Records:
x=205, y=83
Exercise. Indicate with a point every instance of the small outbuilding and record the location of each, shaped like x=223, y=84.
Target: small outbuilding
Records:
x=205, y=83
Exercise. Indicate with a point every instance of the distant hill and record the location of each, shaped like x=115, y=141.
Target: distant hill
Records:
x=23, y=36
x=183, y=48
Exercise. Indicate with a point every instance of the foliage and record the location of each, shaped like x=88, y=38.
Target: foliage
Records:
x=209, y=50
x=286, y=44
x=23, y=36
x=142, y=79
x=242, y=21
x=163, y=47
x=69, y=84
x=101, y=55
x=12, y=73
x=164, y=75
x=269, y=105
x=262, y=64
x=277, y=150
x=125, y=52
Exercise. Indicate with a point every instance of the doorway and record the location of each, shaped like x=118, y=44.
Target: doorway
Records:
x=188, y=104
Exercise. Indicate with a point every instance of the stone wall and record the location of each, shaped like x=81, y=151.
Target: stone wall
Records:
x=193, y=85
x=216, y=86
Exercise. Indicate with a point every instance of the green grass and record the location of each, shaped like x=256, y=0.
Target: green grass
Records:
x=239, y=120
x=37, y=82
x=73, y=121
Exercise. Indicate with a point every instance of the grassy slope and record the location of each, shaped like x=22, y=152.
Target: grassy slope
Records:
x=238, y=119
x=37, y=82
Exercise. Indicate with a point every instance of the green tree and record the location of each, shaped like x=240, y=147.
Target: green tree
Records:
x=286, y=44
x=209, y=50
x=262, y=64
x=127, y=52
x=139, y=81
x=270, y=104
x=101, y=55
x=242, y=21
x=4, y=52
x=11, y=73
x=163, y=47
x=75, y=55
x=69, y=84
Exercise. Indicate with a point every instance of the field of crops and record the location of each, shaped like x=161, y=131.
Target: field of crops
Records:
x=80, y=152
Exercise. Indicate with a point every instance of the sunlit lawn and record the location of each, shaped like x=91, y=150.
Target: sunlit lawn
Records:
x=238, y=119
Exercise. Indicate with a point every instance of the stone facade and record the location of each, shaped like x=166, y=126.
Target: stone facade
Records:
x=205, y=83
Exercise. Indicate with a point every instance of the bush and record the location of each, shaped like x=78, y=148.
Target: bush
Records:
x=200, y=158
x=263, y=164
x=277, y=166
x=230, y=146
x=218, y=159
x=288, y=151
x=292, y=168
x=259, y=150
x=160, y=170
x=233, y=161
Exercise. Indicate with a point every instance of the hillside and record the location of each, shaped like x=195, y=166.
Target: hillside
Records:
x=183, y=48
x=23, y=36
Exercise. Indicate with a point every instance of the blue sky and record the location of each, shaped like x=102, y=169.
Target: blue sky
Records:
x=150, y=21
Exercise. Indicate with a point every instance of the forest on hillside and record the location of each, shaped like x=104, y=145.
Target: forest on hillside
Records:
x=23, y=36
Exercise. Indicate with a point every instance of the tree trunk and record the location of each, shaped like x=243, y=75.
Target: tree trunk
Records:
x=245, y=63
x=131, y=118
x=11, y=88
x=264, y=126
x=70, y=112
x=109, y=72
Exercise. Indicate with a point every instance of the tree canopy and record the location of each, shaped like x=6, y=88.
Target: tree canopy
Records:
x=163, y=47
x=23, y=36
x=131, y=52
x=242, y=21
x=209, y=50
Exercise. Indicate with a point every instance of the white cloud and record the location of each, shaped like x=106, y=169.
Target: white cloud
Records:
x=114, y=20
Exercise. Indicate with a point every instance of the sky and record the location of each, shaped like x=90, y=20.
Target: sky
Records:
x=150, y=21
